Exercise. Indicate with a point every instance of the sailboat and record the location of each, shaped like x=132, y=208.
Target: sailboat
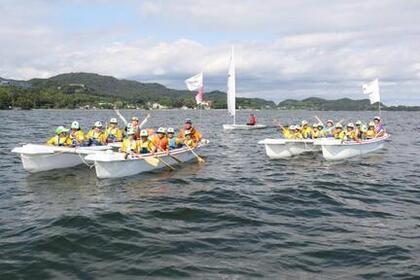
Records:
x=231, y=100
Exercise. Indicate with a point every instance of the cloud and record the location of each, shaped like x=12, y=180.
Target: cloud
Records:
x=284, y=49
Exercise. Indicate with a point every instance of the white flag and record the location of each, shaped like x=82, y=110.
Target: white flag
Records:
x=372, y=88
x=195, y=82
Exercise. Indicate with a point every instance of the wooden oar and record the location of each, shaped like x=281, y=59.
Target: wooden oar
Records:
x=165, y=163
x=200, y=159
x=144, y=121
x=175, y=158
x=120, y=116
x=318, y=119
x=153, y=161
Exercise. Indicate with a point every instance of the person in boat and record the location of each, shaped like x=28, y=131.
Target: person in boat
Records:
x=195, y=134
x=379, y=128
x=188, y=140
x=351, y=134
x=61, y=138
x=285, y=131
x=173, y=142
x=77, y=135
x=134, y=123
x=306, y=130
x=160, y=141
x=329, y=129
x=316, y=133
x=129, y=144
x=96, y=136
x=295, y=132
x=252, y=120
x=371, y=131
x=339, y=133
x=358, y=129
x=113, y=132
x=321, y=130
x=145, y=145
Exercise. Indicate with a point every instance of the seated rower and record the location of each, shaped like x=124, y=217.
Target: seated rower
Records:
x=351, y=134
x=252, y=120
x=145, y=145
x=77, y=135
x=321, y=130
x=173, y=142
x=295, y=132
x=188, y=140
x=62, y=138
x=371, y=132
x=113, y=132
x=379, y=128
x=358, y=129
x=339, y=133
x=96, y=136
x=329, y=129
x=306, y=130
x=159, y=140
x=129, y=144
x=195, y=134
x=316, y=133
x=285, y=131
x=135, y=125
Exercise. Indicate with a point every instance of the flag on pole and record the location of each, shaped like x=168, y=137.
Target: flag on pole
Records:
x=195, y=83
x=372, y=88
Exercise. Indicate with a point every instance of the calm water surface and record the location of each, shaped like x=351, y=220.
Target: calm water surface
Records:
x=238, y=216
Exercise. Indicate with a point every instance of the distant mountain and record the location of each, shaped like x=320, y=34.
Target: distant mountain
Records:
x=111, y=89
x=320, y=104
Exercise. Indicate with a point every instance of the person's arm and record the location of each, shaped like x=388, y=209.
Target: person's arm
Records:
x=52, y=141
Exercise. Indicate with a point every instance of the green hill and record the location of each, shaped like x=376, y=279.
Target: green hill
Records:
x=320, y=104
x=78, y=89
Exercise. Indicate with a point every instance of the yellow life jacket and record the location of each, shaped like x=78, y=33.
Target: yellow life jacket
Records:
x=351, y=135
x=96, y=137
x=129, y=145
x=190, y=143
x=317, y=134
x=114, y=134
x=59, y=141
x=306, y=132
x=297, y=135
x=371, y=133
x=286, y=133
x=144, y=147
x=340, y=135
x=77, y=137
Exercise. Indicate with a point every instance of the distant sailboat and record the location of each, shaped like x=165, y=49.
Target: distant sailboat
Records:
x=231, y=99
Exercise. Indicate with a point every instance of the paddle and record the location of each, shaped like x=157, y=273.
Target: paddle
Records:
x=175, y=158
x=144, y=121
x=200, y=159
x=120, y=116
x=318, y=119
x=165, y=163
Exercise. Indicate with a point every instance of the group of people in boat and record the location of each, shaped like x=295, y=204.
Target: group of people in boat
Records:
x=133, y=138
x=351, y=132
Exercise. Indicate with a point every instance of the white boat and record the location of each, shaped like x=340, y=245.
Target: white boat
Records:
x=333, y=149
x=38, y=157
x=231, y=100
x=115, y=165
x=286, y=148
x=243, y=126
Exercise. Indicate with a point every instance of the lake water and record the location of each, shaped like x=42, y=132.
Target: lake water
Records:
x=238, y=216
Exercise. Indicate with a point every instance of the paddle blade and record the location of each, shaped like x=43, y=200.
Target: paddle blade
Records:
x=152, y=161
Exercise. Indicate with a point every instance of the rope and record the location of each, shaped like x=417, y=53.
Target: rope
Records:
x=83, y=160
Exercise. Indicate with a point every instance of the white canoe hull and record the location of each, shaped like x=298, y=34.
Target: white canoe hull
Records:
x=286, y=148
x=113, y=165
x=243, y=126
x=38, y=158
x=337, y=150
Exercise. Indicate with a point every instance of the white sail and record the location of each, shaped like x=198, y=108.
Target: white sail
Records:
x=372, y=88
x=231, y=92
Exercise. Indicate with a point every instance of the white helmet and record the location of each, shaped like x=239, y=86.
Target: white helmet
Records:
x=377, y=118
x=130, y=131
x=98, y=124
x=315, y=125
x=330, y=121
x=161, y=130
x=170, y=130
x=187, y=132
x=113, y=120
x=350, y=125
x=371, y=124
x=143, y=132
x=339, y=125
x=75, y=125
x=129, y=125
x=304, y=122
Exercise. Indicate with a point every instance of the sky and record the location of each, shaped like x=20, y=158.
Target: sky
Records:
x=283, y=49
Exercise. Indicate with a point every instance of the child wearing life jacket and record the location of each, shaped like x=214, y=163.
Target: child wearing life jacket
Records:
x=306, y=130
x=61, y=138
x=379, y=128
x=129, y=144
x=113, y=132
x=351, y=134
x=76, y=134
x=188, y=141
x=371, y=132
x=160, y=141
x=173, y=142
x=329, y=129
x=96, y=136
x=145, y=145
x=339, y=134
x=316, y=133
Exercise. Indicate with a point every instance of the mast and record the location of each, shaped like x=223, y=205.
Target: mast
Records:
x=231, y=92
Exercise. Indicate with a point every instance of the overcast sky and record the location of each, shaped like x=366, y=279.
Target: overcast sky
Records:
x=284, y=49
